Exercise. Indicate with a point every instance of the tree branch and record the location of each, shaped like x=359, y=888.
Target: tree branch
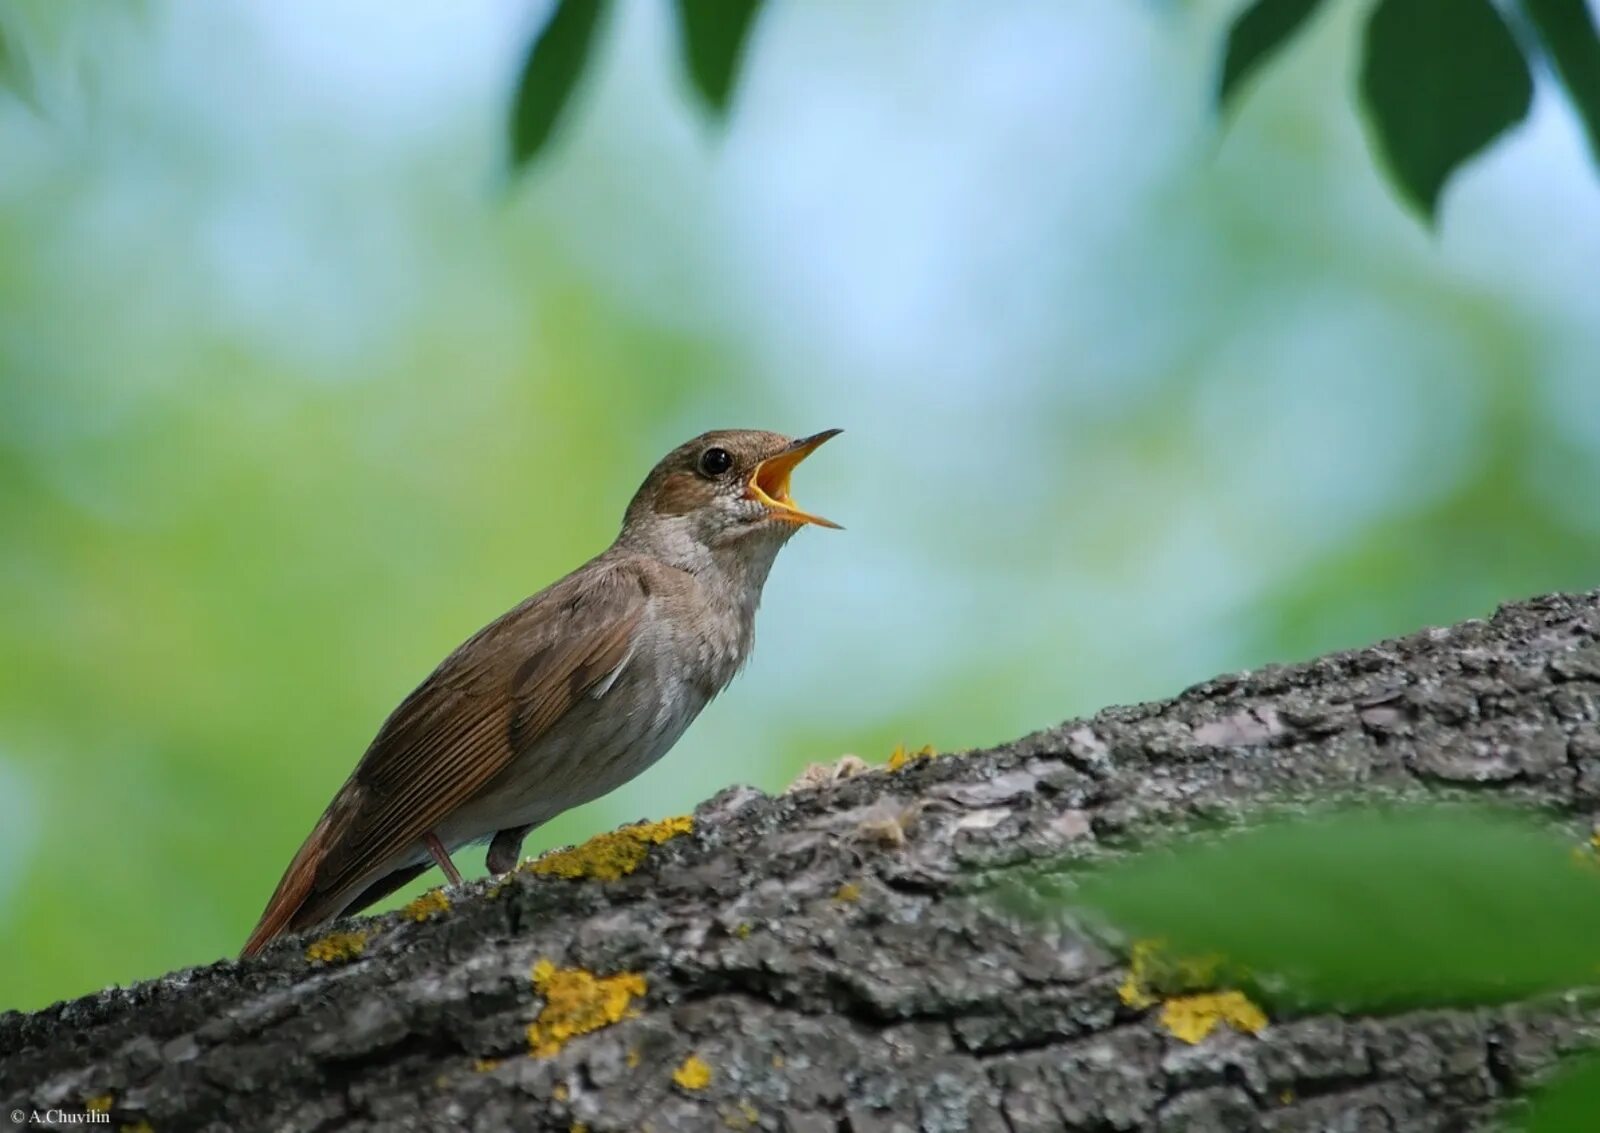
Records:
x=821, y=962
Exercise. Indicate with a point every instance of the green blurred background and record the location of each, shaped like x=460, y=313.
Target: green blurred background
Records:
x=296, y=391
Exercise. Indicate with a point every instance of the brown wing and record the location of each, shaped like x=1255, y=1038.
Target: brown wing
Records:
x=489, y=700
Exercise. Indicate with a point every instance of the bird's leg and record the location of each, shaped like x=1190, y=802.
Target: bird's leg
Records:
x=441, y=856
x=506, y=849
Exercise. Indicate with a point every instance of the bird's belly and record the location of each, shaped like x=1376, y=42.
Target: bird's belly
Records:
x=595, y=748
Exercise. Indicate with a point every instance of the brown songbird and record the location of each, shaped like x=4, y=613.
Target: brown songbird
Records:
x=568, y=696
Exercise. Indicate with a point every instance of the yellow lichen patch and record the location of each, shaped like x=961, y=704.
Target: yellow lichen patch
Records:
x=1132, y=993
x=337, y=947
x=140, y=1126
x=577, y=1002
x=1586, y=855
x=694, y=1074
x=900, y=757
x=777, y=1062
x=849, y=893
x=742, y=931
x=100, y=1103
x=633, y=1059
x=1193, y=1017
x=560, y=1093
x=484, y=1065
x=1153, y=973
x=742, y=1116
x=579, y=1127
x=612, y=855
x=431, y=904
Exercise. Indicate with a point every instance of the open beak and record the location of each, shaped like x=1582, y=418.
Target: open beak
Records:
x=770, y=481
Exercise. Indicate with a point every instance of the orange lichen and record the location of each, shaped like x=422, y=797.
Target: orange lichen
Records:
x=614, y=854
x=431, y=904
x=1193, y=1017
x=900, y=757
x=849, y=893
x=337, y=947
x=577, y=1002
x=694, y=1074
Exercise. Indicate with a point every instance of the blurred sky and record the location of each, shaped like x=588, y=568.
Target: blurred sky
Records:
x=297, y=390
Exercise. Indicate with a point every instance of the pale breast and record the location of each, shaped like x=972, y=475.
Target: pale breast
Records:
x=628, y=722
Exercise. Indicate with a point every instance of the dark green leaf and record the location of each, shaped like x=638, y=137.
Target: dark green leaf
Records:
x=713, y=35
x=1441, y=79
x=550, y=75
x=1439, y=905
x=1570, y=1103
x=1567, y=30
x=1256, y=35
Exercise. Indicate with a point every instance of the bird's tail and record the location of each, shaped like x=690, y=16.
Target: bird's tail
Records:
x=288, y=909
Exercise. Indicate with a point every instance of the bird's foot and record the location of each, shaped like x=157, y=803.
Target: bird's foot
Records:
x=505, y=851
x=441, y=857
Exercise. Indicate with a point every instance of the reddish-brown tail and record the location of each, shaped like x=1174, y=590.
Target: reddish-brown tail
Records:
x=287, y=910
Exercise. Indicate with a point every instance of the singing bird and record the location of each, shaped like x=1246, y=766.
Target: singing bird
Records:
x=567, y=696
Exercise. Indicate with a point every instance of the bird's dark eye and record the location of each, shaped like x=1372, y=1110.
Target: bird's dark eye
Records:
x=715, y=461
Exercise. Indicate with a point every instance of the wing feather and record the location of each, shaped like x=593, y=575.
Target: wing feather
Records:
x=489, y=701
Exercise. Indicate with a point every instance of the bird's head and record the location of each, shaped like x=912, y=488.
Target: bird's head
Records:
x=726, y=491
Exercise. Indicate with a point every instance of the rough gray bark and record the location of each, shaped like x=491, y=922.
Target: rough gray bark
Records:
x=918, y=1004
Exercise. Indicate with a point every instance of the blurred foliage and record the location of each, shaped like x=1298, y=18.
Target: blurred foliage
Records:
x=292, y=400
x=1569, y=1103
x=1433, y=109
x=555, y=64
x=713, y=37
x=1365, y=910
x=711, y=34
x=1441, y=79
x=1568, y=34
x=13, y=68
x=1372, y=909
x=1256, y=36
